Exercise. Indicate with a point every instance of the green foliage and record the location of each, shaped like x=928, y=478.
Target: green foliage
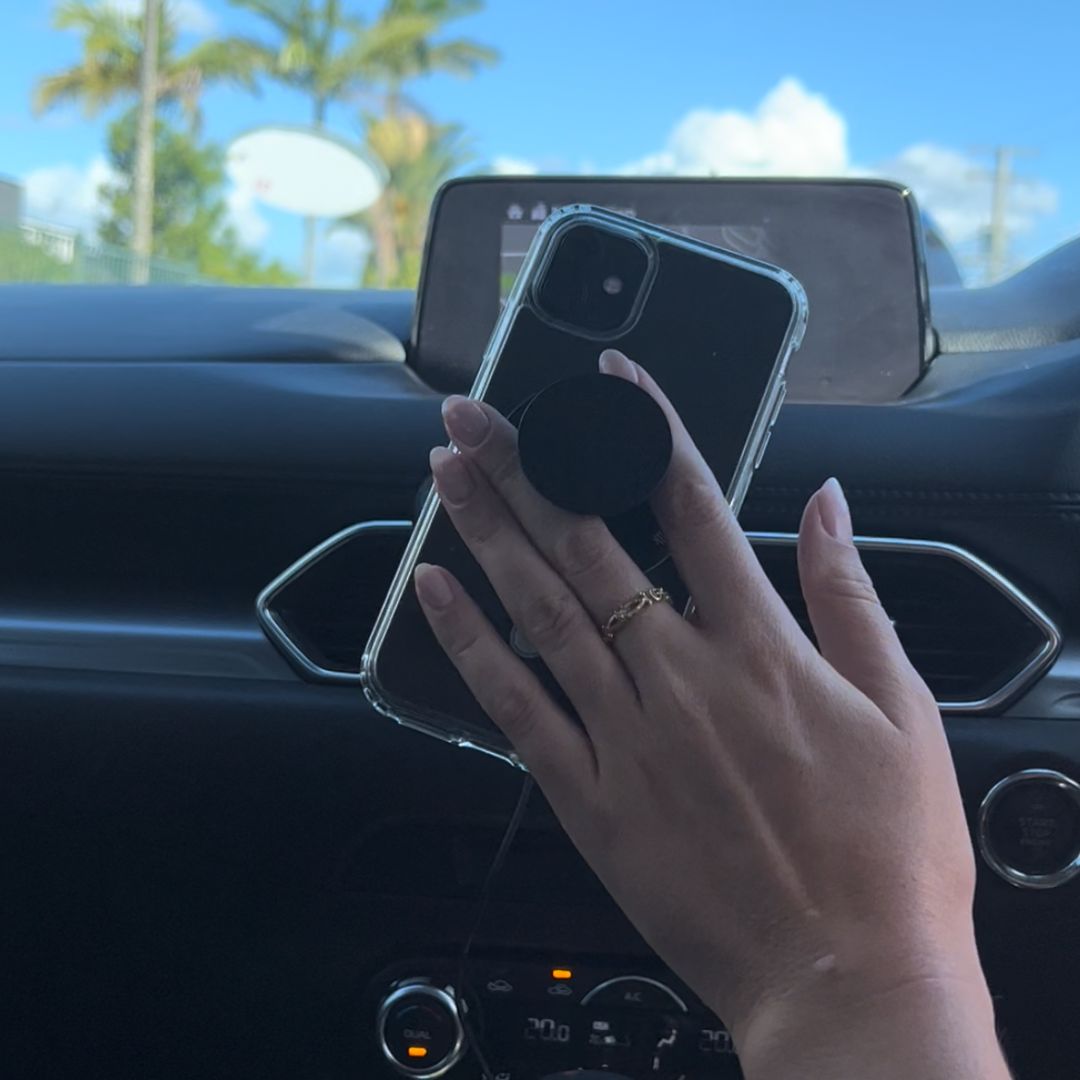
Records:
x=419, y=156
x=406, y=46
x=330, y=56
x=108, y=70
x=22, y=261
x=316, y=47
x=190, y=220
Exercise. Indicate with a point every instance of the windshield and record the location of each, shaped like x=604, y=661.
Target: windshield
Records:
x=300, y=142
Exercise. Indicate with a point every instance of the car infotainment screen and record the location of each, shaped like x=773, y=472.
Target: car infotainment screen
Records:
x=854, y=245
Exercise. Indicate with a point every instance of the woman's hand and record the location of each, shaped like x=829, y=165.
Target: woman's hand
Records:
x=782, y=825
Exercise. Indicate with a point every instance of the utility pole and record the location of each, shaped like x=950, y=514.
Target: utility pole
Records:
x=142, y=236
x=995, y=249
x=311, y=224
x=997, y=240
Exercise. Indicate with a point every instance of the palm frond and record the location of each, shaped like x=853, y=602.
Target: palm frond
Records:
x=59, y=89
x=388, y=43
x=287, y=16
x=90, y=18
x=236, y=60
x=461, y=57
x=94, y=88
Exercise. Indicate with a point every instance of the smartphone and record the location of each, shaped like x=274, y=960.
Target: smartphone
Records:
x=714, y=329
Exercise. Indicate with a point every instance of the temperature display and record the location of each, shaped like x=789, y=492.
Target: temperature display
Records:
x=715, y=1041
x=547, y=1030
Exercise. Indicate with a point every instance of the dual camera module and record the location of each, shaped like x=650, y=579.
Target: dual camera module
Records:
x=593, y=280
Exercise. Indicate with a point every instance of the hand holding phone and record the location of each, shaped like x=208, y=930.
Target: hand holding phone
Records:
x=716, y=331
x=782, y=825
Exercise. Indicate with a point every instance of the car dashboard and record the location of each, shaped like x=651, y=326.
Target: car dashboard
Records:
x=219, y=862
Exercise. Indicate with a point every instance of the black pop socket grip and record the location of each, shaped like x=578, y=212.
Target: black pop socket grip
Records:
x=594, y=444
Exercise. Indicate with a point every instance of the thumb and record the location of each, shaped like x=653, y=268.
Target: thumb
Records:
x=853, y=632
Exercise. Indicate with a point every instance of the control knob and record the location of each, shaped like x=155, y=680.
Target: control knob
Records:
x=419, y=1029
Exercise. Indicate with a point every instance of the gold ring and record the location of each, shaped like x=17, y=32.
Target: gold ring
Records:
x=634, y=606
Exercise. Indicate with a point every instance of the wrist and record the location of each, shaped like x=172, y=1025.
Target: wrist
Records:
x=929, y=1016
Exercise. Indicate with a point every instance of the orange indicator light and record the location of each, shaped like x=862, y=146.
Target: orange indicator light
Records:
x=561, y=973
x=417, y=1051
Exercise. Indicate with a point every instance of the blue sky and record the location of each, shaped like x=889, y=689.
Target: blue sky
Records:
x=919, y=91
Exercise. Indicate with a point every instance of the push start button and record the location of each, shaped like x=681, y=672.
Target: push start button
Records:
x=1029, y=828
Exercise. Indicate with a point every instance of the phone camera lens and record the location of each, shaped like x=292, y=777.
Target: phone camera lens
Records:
x=594, y=279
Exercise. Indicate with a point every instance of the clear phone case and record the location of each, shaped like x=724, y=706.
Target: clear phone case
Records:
x=715, y=329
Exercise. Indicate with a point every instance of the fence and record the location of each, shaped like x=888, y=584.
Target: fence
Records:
x=36, y=252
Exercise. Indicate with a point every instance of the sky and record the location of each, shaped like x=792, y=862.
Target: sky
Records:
x=920, y=92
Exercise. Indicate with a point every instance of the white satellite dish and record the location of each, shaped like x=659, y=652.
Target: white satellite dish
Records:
x=305, y=171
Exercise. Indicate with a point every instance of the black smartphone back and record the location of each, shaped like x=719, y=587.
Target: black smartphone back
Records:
x=714, y=329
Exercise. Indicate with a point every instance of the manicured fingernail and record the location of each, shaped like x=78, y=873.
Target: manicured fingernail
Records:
x=432, y=586
x=452, y=479
x=613, y=362
x=466, y=423
x=834, y=510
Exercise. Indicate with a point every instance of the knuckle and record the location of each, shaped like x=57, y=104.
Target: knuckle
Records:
x=689, y=700
x=915, y=688
x=769, y=661
x=504, y=468
x=517, y=711
x=462, y=642
x=695, y=502
x=845, y=580
x=583, y=548
x=549, y=619
x=484, y=528
x=855, y=587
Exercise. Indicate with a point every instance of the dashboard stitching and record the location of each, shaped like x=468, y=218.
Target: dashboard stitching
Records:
x=929, y=495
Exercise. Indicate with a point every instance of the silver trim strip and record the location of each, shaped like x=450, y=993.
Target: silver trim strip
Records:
x=1019, y=682
x=998, y=865
x=279, y=634
x=277, y=631
x=444, y=998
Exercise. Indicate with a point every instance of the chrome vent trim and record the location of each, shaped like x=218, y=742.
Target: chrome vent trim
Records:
x=1023, y=679
x=279, y=634
x=276, y=630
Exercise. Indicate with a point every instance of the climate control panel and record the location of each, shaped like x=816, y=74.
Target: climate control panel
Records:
x=535, y=1018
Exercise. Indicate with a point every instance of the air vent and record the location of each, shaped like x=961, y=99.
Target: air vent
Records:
x=974, y=637
x=320, y=610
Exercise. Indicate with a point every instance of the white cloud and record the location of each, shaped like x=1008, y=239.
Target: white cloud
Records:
x=505, y=165
x=67, y=194
x=957, y=189
x=251, y=227
x=194, y=17
x=792, y=132
x=191, y=16
x=340, y=258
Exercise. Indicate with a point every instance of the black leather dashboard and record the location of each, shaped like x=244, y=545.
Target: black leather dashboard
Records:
x=207, y=859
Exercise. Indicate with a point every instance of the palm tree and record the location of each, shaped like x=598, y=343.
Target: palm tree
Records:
x=115, y=66
x=420, y=162
x=419, y=155
x=332, y=57
x=413, y=54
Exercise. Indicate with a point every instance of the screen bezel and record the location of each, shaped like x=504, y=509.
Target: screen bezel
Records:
x=458, y=296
